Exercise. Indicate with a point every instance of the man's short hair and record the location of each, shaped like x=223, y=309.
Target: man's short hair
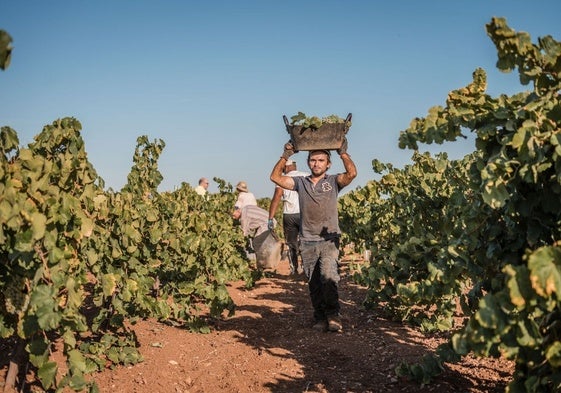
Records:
x=326, y=152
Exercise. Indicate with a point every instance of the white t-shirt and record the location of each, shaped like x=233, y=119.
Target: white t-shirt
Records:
x=245, y=199
x=290, y=198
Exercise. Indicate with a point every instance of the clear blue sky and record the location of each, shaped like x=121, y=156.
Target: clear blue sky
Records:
x=213, y=78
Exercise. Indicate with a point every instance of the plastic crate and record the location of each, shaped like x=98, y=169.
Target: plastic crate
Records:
x=327, y=137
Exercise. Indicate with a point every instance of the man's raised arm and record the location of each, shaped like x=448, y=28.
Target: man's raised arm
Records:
x=344, y=179
x=277, y=176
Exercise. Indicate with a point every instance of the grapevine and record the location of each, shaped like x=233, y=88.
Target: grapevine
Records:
x=5, y=49
x=406, y=221
x=504, y=238
x=316, y=122
x=81, y=263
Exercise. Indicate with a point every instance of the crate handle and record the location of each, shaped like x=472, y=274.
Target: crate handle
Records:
x=286, y=123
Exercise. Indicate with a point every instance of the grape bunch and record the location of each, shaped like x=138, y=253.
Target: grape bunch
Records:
x=314, y=121
x=16, y=295
x=333, y=119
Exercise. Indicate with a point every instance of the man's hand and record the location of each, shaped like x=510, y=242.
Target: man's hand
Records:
x=288, y=150
x=270, y=225
x=343, y=148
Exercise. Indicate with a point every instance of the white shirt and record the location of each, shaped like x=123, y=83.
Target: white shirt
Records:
x=245, y=199
x=253, y=220
x=290, y=198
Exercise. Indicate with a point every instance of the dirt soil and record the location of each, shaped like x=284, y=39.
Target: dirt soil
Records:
x=269, y=346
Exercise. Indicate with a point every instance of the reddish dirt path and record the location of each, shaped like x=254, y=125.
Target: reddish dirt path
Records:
x=269, y=346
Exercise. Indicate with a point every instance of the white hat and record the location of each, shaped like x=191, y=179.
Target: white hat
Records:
x=242, y=186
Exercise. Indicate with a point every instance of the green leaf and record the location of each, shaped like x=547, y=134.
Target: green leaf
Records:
x=109, y=283
x=77, y=360
x=42, y=298
x=545, y=274
x=519, y=139
x=5, y=49
x=489, y=313
x=495, y=194
x=38, y=350
x=69, y=339
x=553, y=354
x=56, y=254
x=78, y=382
x=24, y=240
x=8, y=139
x=47, y=317
x=38, y=225
x=113, y=355
x=526, y=336
x=87, y=227
x=152, y=215
x=5, y=330
x=47, y=373
x=518, y=285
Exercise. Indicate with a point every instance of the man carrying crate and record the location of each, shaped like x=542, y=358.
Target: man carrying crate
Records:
x=319, y=233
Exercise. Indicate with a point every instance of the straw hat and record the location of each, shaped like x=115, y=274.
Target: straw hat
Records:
x=242, y=186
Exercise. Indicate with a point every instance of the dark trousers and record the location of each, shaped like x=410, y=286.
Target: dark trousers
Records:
x=320, y=260
x=291, y=229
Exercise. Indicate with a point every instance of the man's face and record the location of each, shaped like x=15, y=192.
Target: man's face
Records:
x=236, y=214
x=319, y=163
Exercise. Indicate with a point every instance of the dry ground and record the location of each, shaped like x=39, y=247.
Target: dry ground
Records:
x=269, y=346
